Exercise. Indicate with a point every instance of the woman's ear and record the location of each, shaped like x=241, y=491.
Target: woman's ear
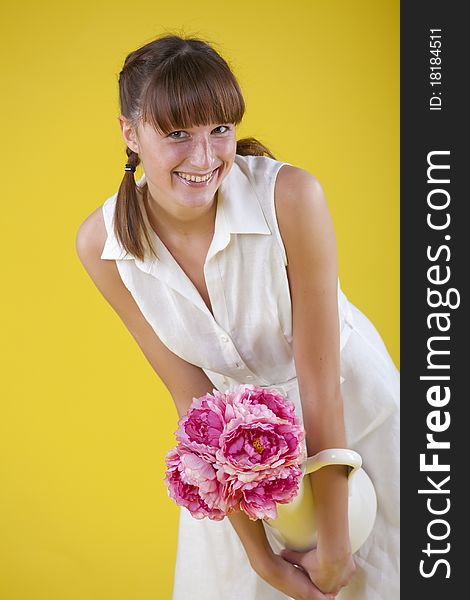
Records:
x=129, y=134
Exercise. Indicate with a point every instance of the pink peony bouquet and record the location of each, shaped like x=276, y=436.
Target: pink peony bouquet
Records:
x=239, y=449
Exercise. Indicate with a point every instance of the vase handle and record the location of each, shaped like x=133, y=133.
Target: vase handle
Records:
x=295, y=526
x=332, y=456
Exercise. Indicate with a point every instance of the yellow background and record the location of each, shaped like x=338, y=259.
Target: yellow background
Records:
x=85, y=421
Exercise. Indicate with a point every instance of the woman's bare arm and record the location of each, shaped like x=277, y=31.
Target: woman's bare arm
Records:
x=307, y=232
x=182, y=379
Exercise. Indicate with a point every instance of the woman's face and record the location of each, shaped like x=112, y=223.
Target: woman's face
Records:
x=186, y=167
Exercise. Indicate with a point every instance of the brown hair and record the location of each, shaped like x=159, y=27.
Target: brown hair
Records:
x=172, y=83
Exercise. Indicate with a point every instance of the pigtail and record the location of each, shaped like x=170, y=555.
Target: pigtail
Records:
x=252, y=147
x=129, y=223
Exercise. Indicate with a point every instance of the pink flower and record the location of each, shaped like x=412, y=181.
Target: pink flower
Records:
x=255, y=442
x=238, y=449
x=202, y=426
x=276, y=402
x=260, y=498
x=192, y=482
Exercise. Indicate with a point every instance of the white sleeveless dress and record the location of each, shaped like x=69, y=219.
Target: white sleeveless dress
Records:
x=249, y=340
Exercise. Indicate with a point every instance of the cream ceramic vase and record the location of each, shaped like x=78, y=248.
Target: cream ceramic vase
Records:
x=296, y=528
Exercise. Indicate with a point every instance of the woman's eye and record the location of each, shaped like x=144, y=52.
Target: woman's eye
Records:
x=222, y=129
x=177, y=135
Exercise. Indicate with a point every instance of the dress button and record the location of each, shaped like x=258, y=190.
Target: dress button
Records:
x=249, y=377
x=238, y=365
x=224, y=338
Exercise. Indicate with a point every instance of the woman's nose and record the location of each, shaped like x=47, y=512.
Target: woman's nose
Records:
x=202, y=155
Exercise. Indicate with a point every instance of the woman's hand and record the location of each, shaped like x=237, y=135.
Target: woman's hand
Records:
x=327, y=575
x=290, y=580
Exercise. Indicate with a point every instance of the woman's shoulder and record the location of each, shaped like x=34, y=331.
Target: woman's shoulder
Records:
x=295, y=182
x=91, y=235
x=302, y=211
x=290, y=179
x=94, y=231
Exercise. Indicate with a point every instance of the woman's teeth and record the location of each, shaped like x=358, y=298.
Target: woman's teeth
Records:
x=196, y=178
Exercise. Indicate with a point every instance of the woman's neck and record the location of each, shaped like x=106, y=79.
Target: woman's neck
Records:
x=178, y=230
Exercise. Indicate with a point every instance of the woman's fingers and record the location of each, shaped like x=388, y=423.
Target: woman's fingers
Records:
x=292, y=556
x=307, y=590
x=329, y=577
x=293, y=581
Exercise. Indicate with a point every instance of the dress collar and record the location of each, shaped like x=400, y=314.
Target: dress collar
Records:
x=238, y=211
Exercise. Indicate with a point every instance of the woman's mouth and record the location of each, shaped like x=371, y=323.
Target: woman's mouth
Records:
x=196, y=180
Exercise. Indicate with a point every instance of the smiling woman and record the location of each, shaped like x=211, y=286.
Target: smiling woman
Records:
x=221, y=261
